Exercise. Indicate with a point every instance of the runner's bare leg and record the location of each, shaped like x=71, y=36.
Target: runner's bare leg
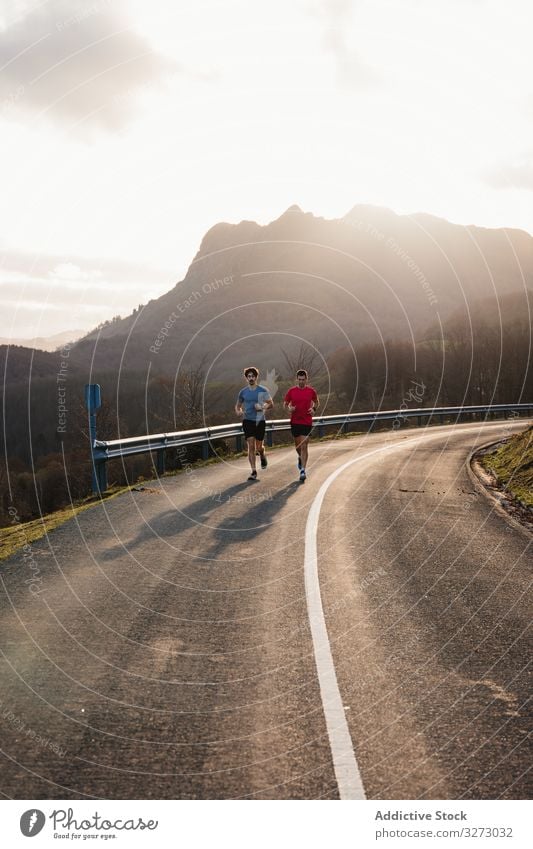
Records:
x=251, y=442
x=301, y=449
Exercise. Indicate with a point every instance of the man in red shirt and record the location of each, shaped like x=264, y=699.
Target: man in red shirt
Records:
x=301, y=401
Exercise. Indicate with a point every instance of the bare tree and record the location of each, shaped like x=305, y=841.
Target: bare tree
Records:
x=306, y=356
x=189, y=388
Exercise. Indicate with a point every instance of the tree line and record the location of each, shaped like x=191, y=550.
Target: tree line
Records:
x=43, y=469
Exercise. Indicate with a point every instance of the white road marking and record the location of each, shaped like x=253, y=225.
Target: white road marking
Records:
x=345, y=764
x=347, y=772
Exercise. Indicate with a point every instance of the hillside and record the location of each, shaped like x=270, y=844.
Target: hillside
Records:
x=369, y=284
x=360, y=291
x=18, y=364
x=252, y=290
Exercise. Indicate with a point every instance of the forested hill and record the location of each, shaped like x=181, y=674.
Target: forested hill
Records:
x=19, y=364
x=369, y=303
x=370, y=275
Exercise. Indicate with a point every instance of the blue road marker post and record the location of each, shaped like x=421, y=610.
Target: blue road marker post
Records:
x=93, y=402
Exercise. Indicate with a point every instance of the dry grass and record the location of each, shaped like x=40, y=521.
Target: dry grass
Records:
x=512, y=465
x=20, y=534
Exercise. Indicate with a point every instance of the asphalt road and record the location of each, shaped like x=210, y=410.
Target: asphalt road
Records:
x=159, y=645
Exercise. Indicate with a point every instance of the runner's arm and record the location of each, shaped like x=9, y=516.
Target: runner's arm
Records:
x=266, y=402
x=287, y=403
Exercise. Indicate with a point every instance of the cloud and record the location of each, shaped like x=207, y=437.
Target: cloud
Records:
x=516, y=175
x=60, y=293
x=78, y=62
x=41, y=307
x=30, y=319
x=337, y=16
x=16, y=264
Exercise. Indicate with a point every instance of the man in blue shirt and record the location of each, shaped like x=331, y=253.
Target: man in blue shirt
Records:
x=252, y=403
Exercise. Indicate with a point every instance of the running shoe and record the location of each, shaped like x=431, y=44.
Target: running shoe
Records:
x=264, y=461
x=302, y=476
x=253, y=476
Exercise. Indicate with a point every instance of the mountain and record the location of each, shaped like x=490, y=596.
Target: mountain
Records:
x=254, y=290
x=45, y=343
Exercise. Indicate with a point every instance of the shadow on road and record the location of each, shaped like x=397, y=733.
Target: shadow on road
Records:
x=247, y=527
x=263, y=505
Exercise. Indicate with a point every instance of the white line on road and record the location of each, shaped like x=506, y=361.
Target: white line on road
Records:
x=345, y=764
x=347, y=772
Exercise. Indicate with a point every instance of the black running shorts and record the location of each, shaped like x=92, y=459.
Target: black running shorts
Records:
x=301, y=430
x=256, y=429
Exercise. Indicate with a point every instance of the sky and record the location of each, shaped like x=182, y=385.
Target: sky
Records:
x=128, y=129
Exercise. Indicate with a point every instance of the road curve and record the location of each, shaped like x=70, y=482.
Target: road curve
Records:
x=160, y=646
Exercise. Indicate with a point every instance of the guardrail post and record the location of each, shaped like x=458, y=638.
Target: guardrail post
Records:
x=205, y=450
x=238, y=444
x=320, y=431
x=100, y=468
x=160, y=461
x=93, y=402
x=268, y=437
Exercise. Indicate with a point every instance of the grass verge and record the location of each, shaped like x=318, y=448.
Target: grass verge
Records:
x=19, y=534
x=512, y=466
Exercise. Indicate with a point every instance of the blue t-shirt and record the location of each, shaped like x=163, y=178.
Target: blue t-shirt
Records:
x=249, y=398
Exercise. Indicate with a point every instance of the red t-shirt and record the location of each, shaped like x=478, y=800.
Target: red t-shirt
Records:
x=302, y=400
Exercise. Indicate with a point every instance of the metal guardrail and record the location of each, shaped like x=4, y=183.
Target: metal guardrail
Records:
x=103, y=451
